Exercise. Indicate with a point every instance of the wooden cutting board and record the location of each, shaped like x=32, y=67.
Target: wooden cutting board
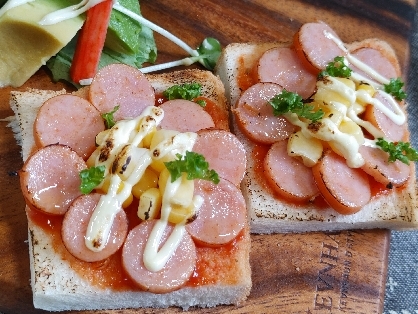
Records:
x=292, y=273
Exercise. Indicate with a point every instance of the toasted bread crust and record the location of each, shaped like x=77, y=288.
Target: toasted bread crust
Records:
x=57, y=286
x=270, y=214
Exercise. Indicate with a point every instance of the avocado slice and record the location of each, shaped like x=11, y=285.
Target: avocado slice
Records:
x=26, y=45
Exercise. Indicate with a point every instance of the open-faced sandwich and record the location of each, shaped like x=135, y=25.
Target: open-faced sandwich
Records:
x=325, y=129
x=132, y=195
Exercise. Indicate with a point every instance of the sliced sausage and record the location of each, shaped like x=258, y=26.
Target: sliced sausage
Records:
x=68, y=120
x=283, y=66
x=390, y=129
x=50, y=178
x=224, y=153
x=74, y=229
x=312, y=45
x=222, y=215
x=124, y=86
x=255, y=115
x=185, y=116
x=377, y=165
x=175, y=273
x=345, y=189
x=376, y=60
x=287, y=175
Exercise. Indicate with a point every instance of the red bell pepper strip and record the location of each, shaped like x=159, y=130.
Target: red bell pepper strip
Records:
x=90, y=42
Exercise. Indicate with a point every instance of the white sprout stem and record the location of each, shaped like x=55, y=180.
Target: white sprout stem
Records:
x=156, y=28
x=163, y=66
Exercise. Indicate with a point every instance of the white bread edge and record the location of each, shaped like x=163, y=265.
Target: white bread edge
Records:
x=398, y=211
x=56, y=287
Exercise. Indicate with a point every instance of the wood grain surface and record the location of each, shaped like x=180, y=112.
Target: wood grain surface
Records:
x=342, y=272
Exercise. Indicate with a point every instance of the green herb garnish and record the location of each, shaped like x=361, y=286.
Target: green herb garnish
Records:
x=90, y=178
x=336, y=68
x=291, y=102
x=200, y=102
x=108, y=118
x=194, y=165
x=183, y=91
x=395, y=88
x=398, y=151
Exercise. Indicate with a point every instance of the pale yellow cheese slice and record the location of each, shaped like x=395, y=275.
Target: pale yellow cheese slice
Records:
x=25, y=45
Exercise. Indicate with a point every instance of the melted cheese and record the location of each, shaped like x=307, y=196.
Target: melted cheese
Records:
x=342, y=102
x=125, y=162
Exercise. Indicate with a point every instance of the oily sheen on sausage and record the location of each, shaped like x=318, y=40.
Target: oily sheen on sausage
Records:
x=175, y=273
x=74, y=229
x=312, y=45
x=377, y=165
x=376, y=60
x=50, y=178
x=124, y=86
x=287, y=175
x=255, y=117
x=284, y=67
x=222, y=215
x=185, y=116
x=68, y=120
x=392, y=131
x=346, y=189
x=224, y=153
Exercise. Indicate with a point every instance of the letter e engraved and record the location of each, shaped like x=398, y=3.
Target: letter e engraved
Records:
x=329, y=257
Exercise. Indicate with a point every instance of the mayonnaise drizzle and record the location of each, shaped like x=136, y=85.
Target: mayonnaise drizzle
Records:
x=327, y=129
x=125, y=136
x=124, y=139
x=68, y=12
x=154, y=259
x=397, y=115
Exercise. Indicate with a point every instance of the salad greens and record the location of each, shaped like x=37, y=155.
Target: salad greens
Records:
x=90, y=178
x=121, y=26
x=194, y=165
x=291, y=102
x=126, y=21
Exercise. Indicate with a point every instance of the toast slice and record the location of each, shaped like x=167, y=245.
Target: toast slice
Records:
x=60, y=282
x=271, y=214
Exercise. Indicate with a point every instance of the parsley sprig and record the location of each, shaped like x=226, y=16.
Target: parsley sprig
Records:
x=336, y=68
x=395, y=88
x=109, y=119
x=398, y=151
x=185, y=91
x=194, y=165
x=90, y=178
x=291, y=102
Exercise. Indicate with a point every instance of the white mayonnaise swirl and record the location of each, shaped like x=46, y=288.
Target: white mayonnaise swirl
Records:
x=343, y=100
x=120, y=151
x=69, y=12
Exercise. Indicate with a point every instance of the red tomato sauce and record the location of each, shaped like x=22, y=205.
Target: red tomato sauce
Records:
x=109, y=273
